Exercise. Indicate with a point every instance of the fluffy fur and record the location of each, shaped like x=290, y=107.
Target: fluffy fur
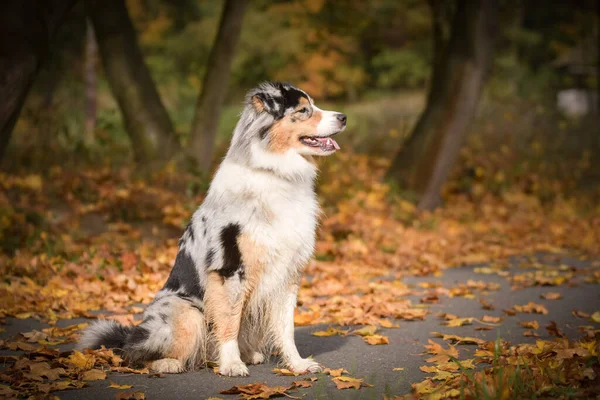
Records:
x=232, y=291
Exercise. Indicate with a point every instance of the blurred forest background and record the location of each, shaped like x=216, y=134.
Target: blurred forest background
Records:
x=154, y=88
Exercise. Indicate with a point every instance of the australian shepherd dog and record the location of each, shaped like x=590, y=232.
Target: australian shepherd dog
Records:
x=231, y=295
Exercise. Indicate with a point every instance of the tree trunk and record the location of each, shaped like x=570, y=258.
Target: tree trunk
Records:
x=423, y=164
x=91, y=57
x=146, y=120
x=26, y=28
x=215, y=84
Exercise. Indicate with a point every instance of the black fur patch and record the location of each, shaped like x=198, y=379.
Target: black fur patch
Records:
x=291, y=95
x=163, y=316
x=138, y=335
x=149, y=318
x=115, y=338
x=210, y=255
x=190, y=231
x=184, y=276
x=232, y=258
x=263, y=132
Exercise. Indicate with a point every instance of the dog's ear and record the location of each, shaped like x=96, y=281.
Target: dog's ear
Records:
x=259, y=103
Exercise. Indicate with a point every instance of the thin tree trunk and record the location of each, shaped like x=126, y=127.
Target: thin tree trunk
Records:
x=215, y=84
x=423, y=164
x=26, y=28
x=146, y=120
x=91, y=58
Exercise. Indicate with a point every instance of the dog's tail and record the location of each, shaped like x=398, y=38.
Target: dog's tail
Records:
x=107, y=333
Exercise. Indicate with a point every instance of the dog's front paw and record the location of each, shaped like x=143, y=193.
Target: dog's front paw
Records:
x=306, y=366
x=235, y=368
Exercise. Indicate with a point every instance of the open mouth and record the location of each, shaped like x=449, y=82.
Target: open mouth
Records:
x=324, y=143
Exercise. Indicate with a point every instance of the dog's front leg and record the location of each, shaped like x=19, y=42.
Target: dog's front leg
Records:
x=224, y=305
x=282, y=326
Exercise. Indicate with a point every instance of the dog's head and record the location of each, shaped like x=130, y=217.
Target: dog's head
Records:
x=281, y=128
x=298, y=125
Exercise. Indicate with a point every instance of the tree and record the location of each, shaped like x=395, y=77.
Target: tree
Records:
x=27, y=28
x=215, y=83
x=146, y=120
x=461, y=65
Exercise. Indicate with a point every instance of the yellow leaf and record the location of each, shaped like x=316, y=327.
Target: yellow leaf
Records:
x=596, y=317
x=346, y=382
x=459, y=322
x=330, y=332
x=530, y=324
x=398, y=369
x=366, y=331
x=114, y=385
x=94, y=375
x=284, y=372
x=376, y=339
x=335, y=372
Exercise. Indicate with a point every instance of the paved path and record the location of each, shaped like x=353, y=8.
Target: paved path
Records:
x=373, y=363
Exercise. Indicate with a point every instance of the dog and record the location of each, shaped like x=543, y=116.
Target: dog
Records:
x=231, y=294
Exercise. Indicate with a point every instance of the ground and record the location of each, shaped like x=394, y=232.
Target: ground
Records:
x=376, y=364
x=395, y=302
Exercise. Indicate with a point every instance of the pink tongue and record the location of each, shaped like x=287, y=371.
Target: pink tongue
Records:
x=328, y=144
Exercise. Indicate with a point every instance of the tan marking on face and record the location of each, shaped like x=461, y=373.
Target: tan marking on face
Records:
x=257, y=104
x=222, y=309
x=303, y=101
x=185, y=334
x=286, y=133
x=254, y=258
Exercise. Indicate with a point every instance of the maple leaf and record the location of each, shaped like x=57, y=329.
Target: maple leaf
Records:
x=459, y=339
x=553, y=330
x=94, y=375
x=531, y=308
x=114, y=385
x=530, y=324
x=485, y=305
x=285, y=372
x=137, y=395
x=334, y=372
x=551, y=296
x=346, y=382
x=459, y=322
x=365, y=331
x=440, y=354
x=330, y=332
x=376, y=339
x=258, y=391
x=495, y=320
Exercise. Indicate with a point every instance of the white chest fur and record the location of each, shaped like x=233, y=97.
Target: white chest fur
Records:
x=278, y=214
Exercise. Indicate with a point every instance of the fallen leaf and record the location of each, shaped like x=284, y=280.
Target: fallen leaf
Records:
x=137, y=395
x=285, y=372
x=346, y=382
x=459, y=322
x=114, y=385
x=551, y=296
x=376, y=339
x=93, y=375
x=330, y=332
x=530, y=324
x=365, y=331
x=532, y=308
x=495, y=320
x=459, y=339
x=595, y=317
x=335, y=372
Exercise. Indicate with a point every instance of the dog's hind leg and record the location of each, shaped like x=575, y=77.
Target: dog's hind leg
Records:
x=172, y=337
x=224, y=303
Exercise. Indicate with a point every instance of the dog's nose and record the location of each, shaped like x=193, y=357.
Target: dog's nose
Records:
x=342, y=118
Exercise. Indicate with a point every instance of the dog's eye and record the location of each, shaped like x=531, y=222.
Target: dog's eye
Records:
x=303, y=110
